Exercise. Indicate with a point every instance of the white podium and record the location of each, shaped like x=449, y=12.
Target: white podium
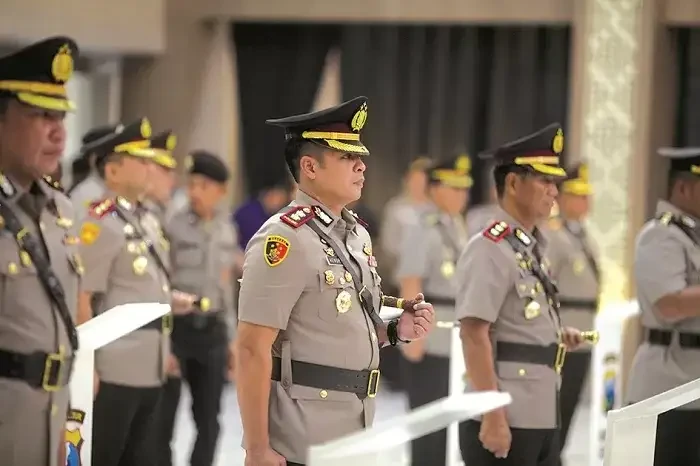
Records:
x=364, y=447
x=631, y=434
x=94, y=334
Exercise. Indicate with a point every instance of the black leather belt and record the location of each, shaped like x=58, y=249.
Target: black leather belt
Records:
x=363, y=383
x=552, y=356
x=164, y=324
x=583, y=304
x=51, y=372
x=664, y=337
x=436, y=301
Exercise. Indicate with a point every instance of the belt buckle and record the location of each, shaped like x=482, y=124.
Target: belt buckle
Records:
x=373, y=383
x=561, y=356
x=53, y=368
x=167, y=322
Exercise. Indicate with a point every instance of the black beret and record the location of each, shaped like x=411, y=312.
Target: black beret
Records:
x=201, y=162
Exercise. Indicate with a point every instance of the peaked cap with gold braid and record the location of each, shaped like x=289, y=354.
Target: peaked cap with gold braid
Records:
x=336, y=128
x=538, y=152
x=37, y=75
x=454, y=172
x=132, y=139
x=577, y=182
x=163, y=145
x=683, y=159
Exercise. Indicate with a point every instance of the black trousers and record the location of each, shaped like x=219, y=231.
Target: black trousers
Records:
x=166, y=421
x=529, y=447
x=201, y=348
x=573, y=376
x=427, y=381
x=678, y=438
x=389, y=364
x=124, y=425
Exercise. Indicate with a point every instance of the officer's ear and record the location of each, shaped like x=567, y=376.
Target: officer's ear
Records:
x=512, y=183
x=308, y=166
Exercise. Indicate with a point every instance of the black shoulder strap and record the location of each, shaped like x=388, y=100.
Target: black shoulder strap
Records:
x=366, y=298
x=550, y=289
x=49, y=280
x=147, y=239
x=669, y=218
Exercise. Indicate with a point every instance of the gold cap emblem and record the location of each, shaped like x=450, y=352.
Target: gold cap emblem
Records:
x=558, y=142
x=359, y=119
x=583, y=172
x=171, y=142
x=62, y=65
x=463, y=164
x=146, y=130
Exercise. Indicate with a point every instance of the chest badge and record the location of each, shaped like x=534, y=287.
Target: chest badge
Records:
x=579, y=266
x=276, y=250
x=139, y=265
x=64, y=222
x=129, y=229
x=343, y=302
x=25, y=258
x=367, y=249
x=330, y=277
x=447, y=269
x=532, y=310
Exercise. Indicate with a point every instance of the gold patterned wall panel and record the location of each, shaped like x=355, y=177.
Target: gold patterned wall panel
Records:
x=607, y=136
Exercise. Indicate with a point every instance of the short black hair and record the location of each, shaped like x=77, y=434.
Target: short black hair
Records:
x=501, y=172
x=103, y=161
x=295, y=149
x=4, y=102
x=676, y=176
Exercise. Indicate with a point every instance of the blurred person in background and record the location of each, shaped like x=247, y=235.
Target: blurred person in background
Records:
x=162, y=178
x=205, y=259
x=480, y=216
x=572, y=253
x=251, y=215
x=86, y=183
x=431, y=247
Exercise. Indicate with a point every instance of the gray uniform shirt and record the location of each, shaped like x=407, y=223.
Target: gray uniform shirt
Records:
x=480, y=217
x=203, y=255
x=119, y=266
x=572, y=258
x=29, y=323
x=87, y=191
x=666, y=262
x=430, y=248
x=494, y=286
x=311, y=299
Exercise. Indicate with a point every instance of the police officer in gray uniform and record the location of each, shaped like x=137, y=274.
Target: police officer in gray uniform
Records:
x=667, y=274
x=39, y=262
x=124, y=264
x=204, y=255
x=573, y=266
x=304, y=273
x=88, y=186
x=507, y=305
x=162, y=179
x=434, y=244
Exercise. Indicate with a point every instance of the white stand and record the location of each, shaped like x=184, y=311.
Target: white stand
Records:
x=95, y=334
x=364, y=447
x=457, y=386
x=606, y=373
x=631, y=435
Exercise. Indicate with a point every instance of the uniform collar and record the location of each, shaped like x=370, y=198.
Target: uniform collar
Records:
x=327, y=219
x=34, y=199
x=664, y=206
x=529, y=238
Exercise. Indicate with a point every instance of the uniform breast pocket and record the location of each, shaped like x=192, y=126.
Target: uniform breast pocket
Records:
x=18, y=277
x=188, y=255
x=531, y=293
x=338, y=295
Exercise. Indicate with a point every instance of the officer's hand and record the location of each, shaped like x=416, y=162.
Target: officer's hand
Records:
x=417, y=321
x=264, y=457
x=181, y=303
x=572, y=338
x=495, y=434
x=173, y=366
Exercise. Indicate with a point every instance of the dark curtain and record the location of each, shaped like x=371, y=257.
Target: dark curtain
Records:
x=279, y=68
x=434, y=90
x=688, y=104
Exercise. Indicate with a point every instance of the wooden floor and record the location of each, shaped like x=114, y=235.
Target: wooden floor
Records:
x=389, y=404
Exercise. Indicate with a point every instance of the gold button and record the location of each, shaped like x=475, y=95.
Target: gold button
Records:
x=166, y=289
x=323, y=394
x=521, y=372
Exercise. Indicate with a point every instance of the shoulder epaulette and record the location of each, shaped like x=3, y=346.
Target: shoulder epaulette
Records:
x=55, y=184
x=99, y=209
x=359, y=220
x=6, y=187
x=665, y=218
x=668, y=218
x=297, y=216
x=497, y=231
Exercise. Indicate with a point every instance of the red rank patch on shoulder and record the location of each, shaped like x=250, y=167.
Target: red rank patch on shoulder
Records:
x=276, y=250
x=497, y=231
